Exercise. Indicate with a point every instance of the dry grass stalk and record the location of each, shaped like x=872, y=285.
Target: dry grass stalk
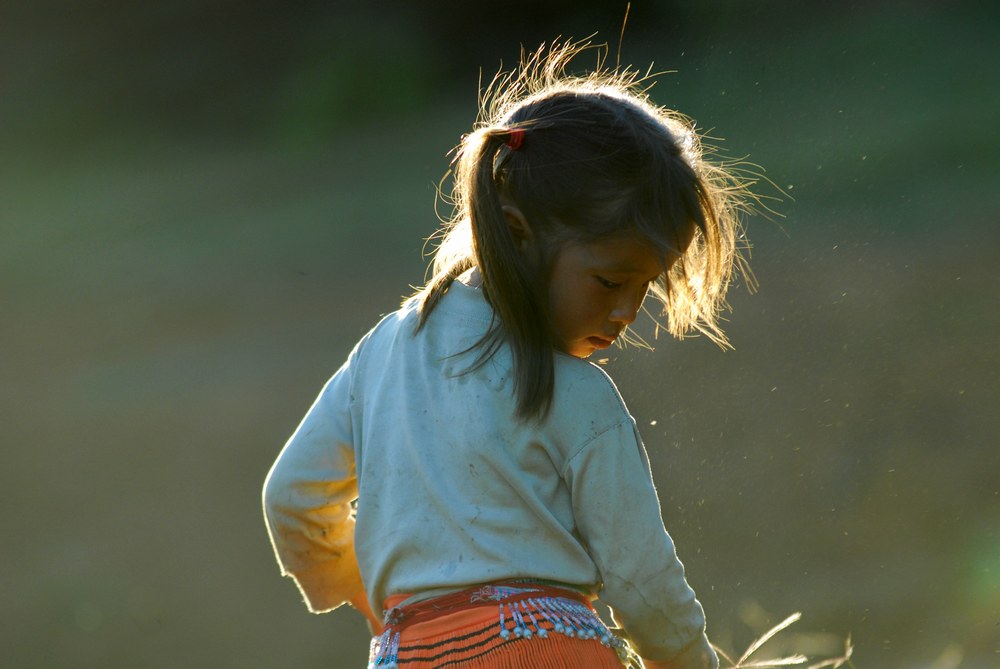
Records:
x=791, y=660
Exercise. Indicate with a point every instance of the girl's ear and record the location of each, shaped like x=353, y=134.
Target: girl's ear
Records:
x=518, y=225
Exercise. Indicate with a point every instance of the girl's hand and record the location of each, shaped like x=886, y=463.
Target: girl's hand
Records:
x=697, y=655
x=360, y=603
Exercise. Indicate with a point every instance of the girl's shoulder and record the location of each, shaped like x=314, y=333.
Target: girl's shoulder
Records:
x=381, y=335
x=582, y=389
x=586, y=412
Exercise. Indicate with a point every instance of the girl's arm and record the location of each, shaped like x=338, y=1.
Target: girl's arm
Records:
x=331, y=583
x=618, y=516
x=307, y=504
x=307, y=508
x=698, y=655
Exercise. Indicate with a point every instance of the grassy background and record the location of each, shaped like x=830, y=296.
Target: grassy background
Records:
x=203, y=205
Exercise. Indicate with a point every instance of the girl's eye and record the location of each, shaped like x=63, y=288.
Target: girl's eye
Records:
x=607, y=283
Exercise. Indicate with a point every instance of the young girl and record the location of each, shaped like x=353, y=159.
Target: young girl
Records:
x=499, y=480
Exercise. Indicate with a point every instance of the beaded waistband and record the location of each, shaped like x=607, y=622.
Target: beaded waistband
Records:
x=524, y=610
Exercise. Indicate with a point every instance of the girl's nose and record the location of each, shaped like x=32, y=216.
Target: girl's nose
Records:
x=626, y=311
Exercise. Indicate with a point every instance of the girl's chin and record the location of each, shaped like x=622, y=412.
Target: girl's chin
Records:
x=585, y=348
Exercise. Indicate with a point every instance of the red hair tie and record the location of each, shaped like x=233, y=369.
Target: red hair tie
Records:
x=515, y=138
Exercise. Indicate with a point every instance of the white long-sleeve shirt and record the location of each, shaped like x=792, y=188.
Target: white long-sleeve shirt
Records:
x=453, y=490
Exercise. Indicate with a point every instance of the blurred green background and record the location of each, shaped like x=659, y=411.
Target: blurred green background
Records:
x=204, y=204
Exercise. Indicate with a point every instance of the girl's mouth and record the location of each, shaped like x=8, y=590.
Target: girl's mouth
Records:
x=600, y=342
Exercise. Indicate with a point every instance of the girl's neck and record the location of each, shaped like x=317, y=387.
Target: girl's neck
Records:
x=471, y=278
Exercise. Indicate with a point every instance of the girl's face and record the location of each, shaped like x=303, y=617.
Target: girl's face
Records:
x=596, y=290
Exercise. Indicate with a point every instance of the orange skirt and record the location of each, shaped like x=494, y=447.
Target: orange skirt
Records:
x=513, y=625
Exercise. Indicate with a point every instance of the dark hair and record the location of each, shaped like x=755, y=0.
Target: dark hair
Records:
x=598, y=160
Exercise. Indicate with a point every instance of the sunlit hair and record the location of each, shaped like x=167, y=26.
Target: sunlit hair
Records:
x=599, y=161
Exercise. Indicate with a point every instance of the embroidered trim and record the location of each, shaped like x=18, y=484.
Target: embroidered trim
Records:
x=522, y=613
x=495, y=593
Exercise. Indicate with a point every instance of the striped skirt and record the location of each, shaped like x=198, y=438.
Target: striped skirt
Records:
x=514, y=625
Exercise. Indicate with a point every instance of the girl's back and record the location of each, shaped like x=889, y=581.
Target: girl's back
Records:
x=453, y=489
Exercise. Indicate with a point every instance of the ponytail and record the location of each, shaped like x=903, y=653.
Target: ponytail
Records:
x=510, y=275
x=512, y=286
